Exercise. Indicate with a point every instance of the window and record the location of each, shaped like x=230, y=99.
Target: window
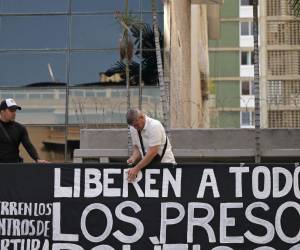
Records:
x=79, y=39
x=247, y=58
x=19, y=69
x=48, y=45
x=86, y=66
x=244, y=58
x=247, y=28
x=247, y=119
x=275, y=92
x=247, y=88
x=83, y=36
x=246, y=2
x=33, y=6
x=275, y=88
x=104, y=6
x=112, y=6
x=33, y=32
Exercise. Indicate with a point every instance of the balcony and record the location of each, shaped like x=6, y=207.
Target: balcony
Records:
x=247, y=101
x=246, y=11
x=207, y=1
x=247, y=70
x=246, y=41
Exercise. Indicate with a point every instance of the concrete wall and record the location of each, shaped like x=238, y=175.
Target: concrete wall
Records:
x=180, y=63
x=201, y=144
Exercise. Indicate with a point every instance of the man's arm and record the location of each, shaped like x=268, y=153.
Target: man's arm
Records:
x=30, y=148
x=152, y=152
x=135, y=156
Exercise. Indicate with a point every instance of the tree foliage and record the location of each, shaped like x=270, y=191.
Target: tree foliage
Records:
x=143, y=36
x=295, y=6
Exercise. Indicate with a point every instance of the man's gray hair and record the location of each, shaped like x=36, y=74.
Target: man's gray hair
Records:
x=132, y=115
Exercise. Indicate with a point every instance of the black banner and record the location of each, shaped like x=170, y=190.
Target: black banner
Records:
x=187, y=207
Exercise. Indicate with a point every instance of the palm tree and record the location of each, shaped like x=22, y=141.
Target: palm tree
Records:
x=295, y=6
x=256, y=82
x=143, y=35
x=145, y=39
x=163, y=90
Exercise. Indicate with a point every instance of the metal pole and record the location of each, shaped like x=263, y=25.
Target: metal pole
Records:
x=127, y=79
x=256, y=83
x=68, y=80
x=141, y=47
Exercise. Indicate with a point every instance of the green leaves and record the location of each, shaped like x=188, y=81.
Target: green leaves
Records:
x=295, y=6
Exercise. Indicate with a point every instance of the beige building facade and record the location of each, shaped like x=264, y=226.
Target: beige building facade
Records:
x=188, y=26
x=280, y=64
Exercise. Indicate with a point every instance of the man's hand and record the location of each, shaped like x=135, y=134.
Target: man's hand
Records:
x=136, y=156
x=41, y=161
x=130, y=161
x=132, y=174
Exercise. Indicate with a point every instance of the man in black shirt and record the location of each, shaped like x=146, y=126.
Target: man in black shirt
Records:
x=12, y=134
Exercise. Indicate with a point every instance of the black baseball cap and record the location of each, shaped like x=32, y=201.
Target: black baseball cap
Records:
x=9, y=104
